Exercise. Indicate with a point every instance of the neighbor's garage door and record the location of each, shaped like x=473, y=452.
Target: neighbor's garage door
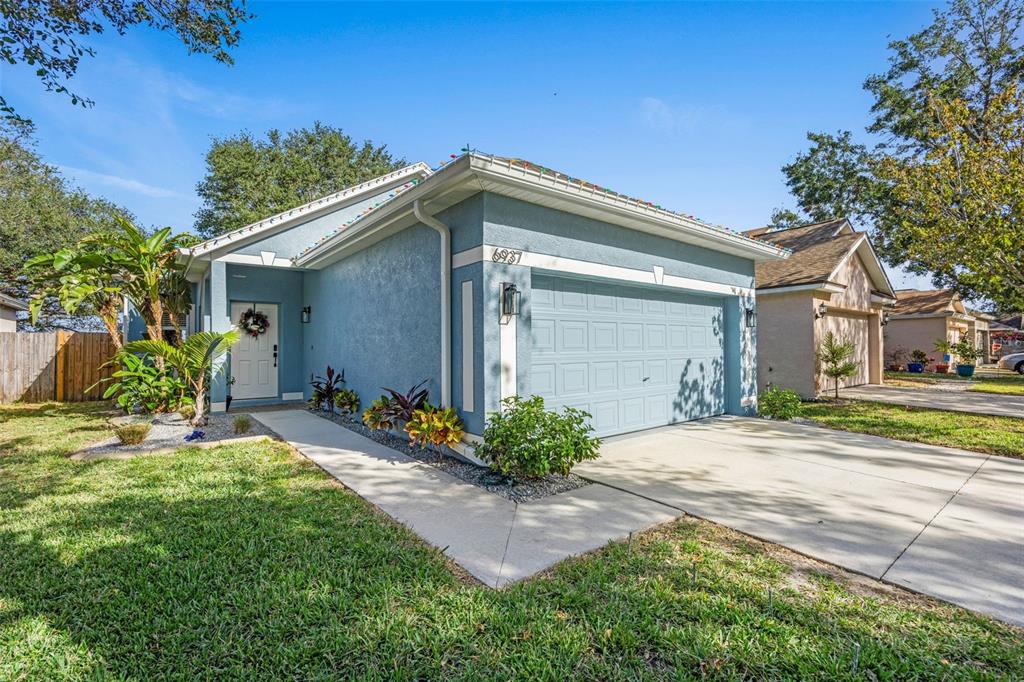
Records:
x=849, y=328
x=633, y=357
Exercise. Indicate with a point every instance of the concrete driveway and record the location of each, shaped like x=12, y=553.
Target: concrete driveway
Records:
x=958, y=401
x=941, y=521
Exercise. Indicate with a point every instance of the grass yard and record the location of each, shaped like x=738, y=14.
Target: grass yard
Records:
x=1006, y=384
x=246, y=561
x=994, y=435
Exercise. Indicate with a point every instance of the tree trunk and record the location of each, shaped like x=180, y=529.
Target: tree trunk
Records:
x=199, y=419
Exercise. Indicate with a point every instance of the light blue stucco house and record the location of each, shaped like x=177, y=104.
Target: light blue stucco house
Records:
x=490, y=277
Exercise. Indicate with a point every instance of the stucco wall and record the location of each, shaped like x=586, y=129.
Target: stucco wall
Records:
x=915, y=333
x=785, y=342
x=377, y=315
x=246, y=284
x=8, y=321
x=857, y=295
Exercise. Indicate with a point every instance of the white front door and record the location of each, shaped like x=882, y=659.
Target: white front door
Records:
x=254, y=359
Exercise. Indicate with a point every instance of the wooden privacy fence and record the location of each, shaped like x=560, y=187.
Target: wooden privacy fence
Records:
x=53, y=366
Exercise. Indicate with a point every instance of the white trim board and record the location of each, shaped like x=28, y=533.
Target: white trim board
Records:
x=245, y=259
x=581, y=267
x=468, y=380
x=296, y=395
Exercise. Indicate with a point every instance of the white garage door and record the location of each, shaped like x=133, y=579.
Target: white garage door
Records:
x=634, y=358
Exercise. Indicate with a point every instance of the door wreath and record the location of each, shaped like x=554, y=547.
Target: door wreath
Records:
x=254, y=323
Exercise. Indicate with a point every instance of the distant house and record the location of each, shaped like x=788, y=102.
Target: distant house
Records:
x=1007, y=336
x=923, y=317
x=834, y=282
x=9, y=308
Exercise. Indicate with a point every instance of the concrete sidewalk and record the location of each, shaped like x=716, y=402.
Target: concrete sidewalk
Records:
x=496, y=540
x=957, y=401
x=943, y=522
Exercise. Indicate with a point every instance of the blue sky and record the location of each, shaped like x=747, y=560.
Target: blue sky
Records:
x=692, y=106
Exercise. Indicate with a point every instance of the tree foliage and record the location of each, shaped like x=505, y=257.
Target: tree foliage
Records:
x=958, y=212
x=937, y=190
x=40, y=212
x=833, y=179
x=104, y=268
x=49, y=36
x=249, y=178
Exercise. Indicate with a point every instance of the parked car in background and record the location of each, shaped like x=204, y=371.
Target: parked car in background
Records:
x=1014, y=361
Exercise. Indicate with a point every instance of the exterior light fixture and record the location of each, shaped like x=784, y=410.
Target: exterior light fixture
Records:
x=885, y=319
x=305, y=314
x=751, y=317
x=822, y=311
x=509, y=299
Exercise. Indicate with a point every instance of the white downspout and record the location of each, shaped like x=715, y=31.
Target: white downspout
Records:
x=446, y=299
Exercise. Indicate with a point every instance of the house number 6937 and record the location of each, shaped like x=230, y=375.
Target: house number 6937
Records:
x=510, y=256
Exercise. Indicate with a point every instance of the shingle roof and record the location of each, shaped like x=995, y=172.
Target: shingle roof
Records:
x=817, y=251
x=931, y=302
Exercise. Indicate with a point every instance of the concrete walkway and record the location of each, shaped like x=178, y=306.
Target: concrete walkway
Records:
x=496, y=540
x=944, y=522
x=957, y=401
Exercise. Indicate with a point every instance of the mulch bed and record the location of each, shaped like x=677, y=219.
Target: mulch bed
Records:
x=482, y=477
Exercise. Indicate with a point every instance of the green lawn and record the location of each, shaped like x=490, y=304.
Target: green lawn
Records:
x=995, y=435
x=247, y=561
x=1006, y=384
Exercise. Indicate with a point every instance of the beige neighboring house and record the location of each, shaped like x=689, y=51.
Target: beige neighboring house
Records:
x=9, y=308
x=921, y=318
x=832, y=282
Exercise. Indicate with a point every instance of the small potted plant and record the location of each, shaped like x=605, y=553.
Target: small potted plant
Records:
x=946, y=348
x=918, y=360
x=967, y=354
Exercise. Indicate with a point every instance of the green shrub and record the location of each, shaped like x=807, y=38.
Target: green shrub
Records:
x=138, y=385
x=779, y=403
x=132, y=434
x=187, y=412
x=526, y=441
x=347, y=401
x=434, y=426
x=242, y=423
x=919, y=356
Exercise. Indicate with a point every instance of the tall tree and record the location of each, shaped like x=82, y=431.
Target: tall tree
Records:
x=49, y=36
x=944, y=95
x=957, y=213
x=248, y=179
x=833, y=179
x=40, y=212
x=972, y=50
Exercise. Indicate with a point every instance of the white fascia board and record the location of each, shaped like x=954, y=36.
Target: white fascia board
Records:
x=630, y=214
x=286, y=219
x=246, y=259
x=879, y=278
x=824, y=287
x=673, y=226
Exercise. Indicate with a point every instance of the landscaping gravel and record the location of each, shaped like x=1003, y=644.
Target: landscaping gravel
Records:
x=482, y=477
x=168, y=432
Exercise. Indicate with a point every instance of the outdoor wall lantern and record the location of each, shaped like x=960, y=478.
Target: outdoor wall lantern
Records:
x=822, y=311
x=885, y=319
x=751, y=317
x=305, y=314
x=509, y=299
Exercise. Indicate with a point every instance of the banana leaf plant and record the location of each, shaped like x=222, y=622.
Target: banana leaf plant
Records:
x=193, y=361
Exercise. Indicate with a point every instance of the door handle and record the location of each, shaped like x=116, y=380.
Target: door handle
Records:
x=645, y=379
x=275, y=355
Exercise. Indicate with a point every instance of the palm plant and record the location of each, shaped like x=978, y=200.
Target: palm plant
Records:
x=834, y=359
x=193, y=361
x=81, y=281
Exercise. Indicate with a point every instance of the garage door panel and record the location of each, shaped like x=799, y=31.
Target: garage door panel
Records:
x=632, y=357
x=571, y=336
x=604, y=336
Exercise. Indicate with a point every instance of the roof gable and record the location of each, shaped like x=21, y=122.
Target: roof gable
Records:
x=362, y=194
x=930, y=302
